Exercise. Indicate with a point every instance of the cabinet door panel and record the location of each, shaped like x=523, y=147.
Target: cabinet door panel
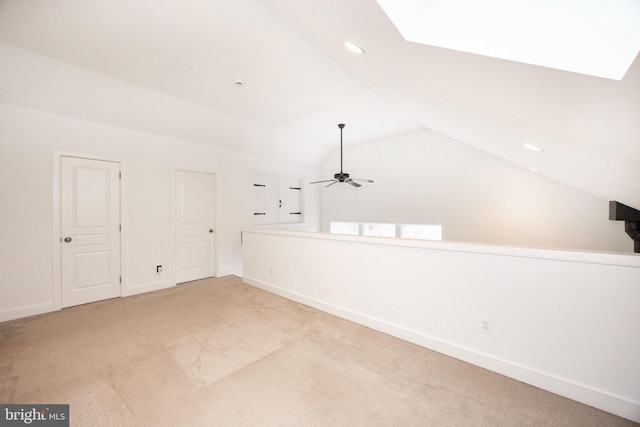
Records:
x=291, y=196
x=265, y=199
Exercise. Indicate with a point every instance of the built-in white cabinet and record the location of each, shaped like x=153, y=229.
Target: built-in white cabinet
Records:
x=277, y=199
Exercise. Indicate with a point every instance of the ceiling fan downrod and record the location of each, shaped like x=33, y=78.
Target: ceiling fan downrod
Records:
x=341, y=126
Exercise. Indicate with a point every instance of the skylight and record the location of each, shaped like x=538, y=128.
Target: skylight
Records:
x=596, y=37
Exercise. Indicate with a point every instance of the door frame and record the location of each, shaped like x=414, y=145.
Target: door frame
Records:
x=57, y=221
x=216, y=211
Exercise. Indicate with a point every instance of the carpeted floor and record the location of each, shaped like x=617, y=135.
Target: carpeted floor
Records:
x=218, y=352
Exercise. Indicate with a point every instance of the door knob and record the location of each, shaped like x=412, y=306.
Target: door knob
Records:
x=211, y=230
x=67, y=239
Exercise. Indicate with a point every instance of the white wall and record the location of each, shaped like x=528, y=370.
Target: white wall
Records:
x=427, y=178
x=563, y=321
x=48, y=108
x=29, y=141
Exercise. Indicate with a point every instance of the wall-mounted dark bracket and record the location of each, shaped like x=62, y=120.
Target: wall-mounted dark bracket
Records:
x=259, y=185
x=631, y=218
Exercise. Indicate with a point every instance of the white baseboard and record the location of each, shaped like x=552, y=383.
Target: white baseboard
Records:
x=226, y=272
x=589, y=396
x=148, y=287
x=32, y=310
x=36, y=309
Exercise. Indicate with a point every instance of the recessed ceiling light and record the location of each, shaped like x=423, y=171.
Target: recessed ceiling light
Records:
x=598, y=38
x=531, y=168
x=532, y=147
x=354, y=48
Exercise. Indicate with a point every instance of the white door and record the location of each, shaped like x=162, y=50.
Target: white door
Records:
x=265, y=199
x=195, y=205
x=290, y=200
x=90, y=225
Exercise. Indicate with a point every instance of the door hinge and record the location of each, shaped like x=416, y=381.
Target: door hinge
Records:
x=120, y=175
x=120, y=227
x=120, y=279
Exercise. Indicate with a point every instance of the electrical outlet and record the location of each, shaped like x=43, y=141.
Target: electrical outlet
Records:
x=485, y=325
x=159, y=269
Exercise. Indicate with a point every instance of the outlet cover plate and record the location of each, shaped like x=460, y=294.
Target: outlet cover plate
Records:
x=486, y=326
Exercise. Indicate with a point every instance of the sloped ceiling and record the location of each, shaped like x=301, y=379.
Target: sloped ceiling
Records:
x=300, y=81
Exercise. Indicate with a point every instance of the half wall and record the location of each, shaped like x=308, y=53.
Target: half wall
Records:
x=564, y=321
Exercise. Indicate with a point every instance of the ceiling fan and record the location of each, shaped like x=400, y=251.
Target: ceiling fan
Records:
x=342, y=177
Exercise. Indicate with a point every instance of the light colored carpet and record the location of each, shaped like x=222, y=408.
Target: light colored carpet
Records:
x=218, y=352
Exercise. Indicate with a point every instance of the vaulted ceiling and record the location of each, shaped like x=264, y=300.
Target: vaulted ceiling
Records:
x=300, y=81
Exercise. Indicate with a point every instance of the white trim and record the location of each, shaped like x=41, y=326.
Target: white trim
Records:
x=56, y=290
x=124, y=234
x=622, y=259
x=174, y=225
x=599, y=399
x=174, y=229
x=216, y=215
x=30, y=310
x=148, y=287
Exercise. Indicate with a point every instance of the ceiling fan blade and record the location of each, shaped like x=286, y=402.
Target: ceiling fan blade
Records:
x=352, y=182
x=362, y=180
x=335, y=181
x=318, y=182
